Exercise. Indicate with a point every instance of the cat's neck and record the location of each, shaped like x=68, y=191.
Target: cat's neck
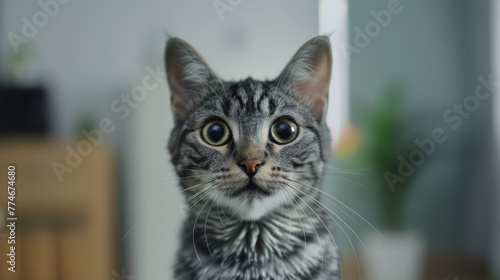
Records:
x=293, y=241
x=220, y=233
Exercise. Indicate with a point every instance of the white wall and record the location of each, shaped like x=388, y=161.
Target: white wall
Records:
x=334, y=21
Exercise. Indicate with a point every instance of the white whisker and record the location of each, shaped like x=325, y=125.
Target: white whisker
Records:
x=205, y=226
x=303, y=229
x=327, y=228
x=343, y=204
x=194, y=227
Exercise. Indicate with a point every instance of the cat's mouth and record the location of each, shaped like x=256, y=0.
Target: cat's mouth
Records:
x=251, y=188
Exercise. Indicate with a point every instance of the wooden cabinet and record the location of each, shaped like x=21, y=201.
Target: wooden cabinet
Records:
x=65, y=229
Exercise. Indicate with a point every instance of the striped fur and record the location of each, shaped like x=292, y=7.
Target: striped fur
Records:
x=280, y=233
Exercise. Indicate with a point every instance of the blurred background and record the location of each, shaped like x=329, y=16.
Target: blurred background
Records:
x=412, y=183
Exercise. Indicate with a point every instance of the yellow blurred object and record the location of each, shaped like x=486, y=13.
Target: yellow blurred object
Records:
x=350, y=141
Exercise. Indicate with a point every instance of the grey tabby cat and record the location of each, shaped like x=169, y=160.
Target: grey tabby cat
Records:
x=250, y=157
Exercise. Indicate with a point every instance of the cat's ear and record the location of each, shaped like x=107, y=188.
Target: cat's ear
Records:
x=308, y=76
x=187, y=75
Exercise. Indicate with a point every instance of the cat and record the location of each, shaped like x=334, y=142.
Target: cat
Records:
x=250, y=157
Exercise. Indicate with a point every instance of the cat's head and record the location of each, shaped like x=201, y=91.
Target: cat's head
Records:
x=251, y=146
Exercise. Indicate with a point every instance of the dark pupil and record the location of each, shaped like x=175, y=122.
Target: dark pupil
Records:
x=215, y=132
x=284, y=131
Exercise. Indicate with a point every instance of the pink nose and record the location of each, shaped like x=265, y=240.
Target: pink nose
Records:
x=250, y=166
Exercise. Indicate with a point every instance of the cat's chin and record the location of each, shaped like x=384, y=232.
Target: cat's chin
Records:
x=254, y=207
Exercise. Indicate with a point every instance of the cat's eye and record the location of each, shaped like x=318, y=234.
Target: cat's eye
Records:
x=283, y=131
x=215, y=133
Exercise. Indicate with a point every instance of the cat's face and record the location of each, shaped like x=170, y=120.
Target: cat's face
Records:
x=250, y=146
